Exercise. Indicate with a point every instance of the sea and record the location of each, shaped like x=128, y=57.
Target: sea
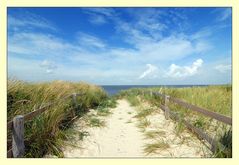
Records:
x=114, y=89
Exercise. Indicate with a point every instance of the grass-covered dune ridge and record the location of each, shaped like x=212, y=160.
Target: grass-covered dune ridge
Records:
x=215, y=98
x=44, y=134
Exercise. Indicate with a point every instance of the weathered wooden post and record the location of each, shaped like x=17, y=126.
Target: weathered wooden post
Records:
x=166, y=112
x=18, y=147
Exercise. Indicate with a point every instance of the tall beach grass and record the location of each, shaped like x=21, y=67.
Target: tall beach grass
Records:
x=45, y=133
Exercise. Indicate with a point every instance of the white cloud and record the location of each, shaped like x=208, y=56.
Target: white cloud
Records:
x=205, y=32
x=225, y=14
x=176, y=71
x=170, y=48
x=148, y=19
x=99, y=16
x=100, y=10
x=97, y=19
x=49, y=46
x=49, y=66
x=88, y=51
x=90, y=41
x=223, y=68
x=152, y=20
x=174, y=46
x=33, y=44
x=28, y=21
x=28, y=69
x=150, y=72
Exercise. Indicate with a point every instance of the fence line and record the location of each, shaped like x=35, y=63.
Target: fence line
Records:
x=205, y=112
x=17, y=126
x=194, y=129
x=213, y=142
x=219, y=117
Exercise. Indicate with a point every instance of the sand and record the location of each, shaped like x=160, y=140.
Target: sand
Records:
x=117, y=139
x=181, y=145
x=120, y=137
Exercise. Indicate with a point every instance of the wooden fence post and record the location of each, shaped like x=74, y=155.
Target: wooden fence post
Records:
x=18, y=147
x=166, y=112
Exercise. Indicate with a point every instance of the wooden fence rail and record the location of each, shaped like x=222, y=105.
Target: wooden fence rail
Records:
x=17, y=126
x=205, y=112
x=219, y=117
x=213, y=142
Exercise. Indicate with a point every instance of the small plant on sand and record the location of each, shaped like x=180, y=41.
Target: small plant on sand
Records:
x=154, y=134
x=83, y=134
x=129, y=121
x=103, y=112
x=156, y=147
x=142, y=112
x=95, y=122
x=143, y=124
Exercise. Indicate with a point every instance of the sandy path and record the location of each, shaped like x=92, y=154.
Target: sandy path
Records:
x=122, y=138
x=118, y=138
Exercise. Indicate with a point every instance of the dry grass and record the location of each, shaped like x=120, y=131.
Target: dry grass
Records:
x=156, y=147
x=45, y=133
x=154, y=134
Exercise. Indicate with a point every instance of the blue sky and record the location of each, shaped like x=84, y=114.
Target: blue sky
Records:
x=120, y=46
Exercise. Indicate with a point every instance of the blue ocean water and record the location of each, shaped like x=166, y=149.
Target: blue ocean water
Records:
x=114, y=89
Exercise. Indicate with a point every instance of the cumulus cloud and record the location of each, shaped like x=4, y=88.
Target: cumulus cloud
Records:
x=150, y=71
x=223, y=68
x=49, y=66
x=176, y=71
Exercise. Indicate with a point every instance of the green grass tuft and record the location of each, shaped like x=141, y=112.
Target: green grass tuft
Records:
x=95, y=122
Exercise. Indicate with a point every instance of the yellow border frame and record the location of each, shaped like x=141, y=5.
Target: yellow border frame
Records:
x=100, y=3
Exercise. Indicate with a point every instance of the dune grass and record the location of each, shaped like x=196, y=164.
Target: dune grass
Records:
x=214, y=98
x=154, y=134
x=45, y=133
x=103, y=107
x=156, y=147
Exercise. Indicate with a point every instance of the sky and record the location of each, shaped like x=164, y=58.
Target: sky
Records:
x=121, y=46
